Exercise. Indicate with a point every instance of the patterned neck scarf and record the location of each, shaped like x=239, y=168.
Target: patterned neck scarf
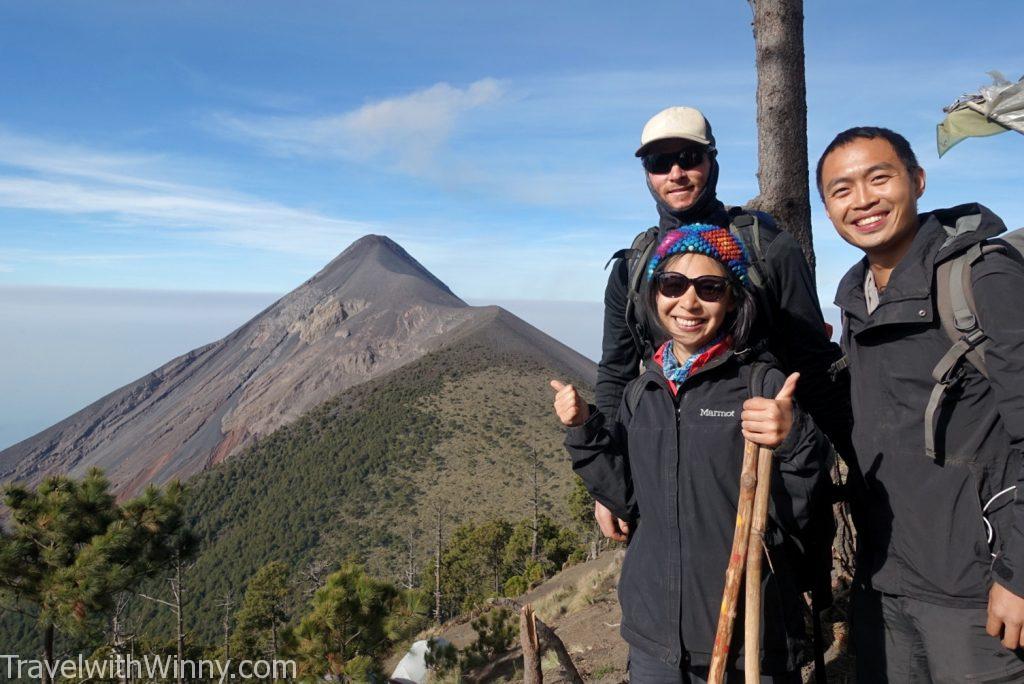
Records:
x=678, y=373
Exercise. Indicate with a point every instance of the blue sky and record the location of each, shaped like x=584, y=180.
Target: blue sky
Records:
x=236, y=147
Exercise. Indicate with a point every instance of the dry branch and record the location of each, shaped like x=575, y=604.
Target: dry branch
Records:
x=547, y=636
x=531, y=647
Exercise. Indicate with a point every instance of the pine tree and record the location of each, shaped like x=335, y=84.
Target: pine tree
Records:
x=182, y=546
x=263, y=611
x=347, y=626
x=554, y=544
x=71, y=550
x=474, y=563
x=581, y=513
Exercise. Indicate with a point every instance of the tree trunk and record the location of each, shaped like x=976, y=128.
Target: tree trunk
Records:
x=227, y=625
x=48, y=632
x=117, y=629
x=409, y=572
x=783, y=170
x=132, y=654
x=536, y=504
x=782, y=118
x=547, y=635
x=531, y=646
x=536, y=522
x=115, y=640
x=180, y=623
x=437, y=569
x=843, y=549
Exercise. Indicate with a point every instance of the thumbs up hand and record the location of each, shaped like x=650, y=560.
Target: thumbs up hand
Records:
x=569, y=405
x=767, y=422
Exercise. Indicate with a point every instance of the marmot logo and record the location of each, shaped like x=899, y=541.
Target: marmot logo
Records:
x=710, y=413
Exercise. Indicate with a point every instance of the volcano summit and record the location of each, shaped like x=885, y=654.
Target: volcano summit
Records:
x=370, y=311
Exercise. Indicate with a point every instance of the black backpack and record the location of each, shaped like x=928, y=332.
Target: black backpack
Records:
x=742, y=224
x=954, y=295
x=958, y=315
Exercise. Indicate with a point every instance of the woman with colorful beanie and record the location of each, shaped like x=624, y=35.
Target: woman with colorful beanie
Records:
x=672, y=458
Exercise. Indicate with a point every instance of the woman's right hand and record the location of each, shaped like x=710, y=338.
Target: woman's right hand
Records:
x=569, y=405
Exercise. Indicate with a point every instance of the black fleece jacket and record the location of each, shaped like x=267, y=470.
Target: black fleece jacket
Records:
x=675, y=462
x=921, y=532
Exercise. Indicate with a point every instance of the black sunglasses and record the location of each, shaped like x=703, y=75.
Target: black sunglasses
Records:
x=662, y=162
x=708, y=287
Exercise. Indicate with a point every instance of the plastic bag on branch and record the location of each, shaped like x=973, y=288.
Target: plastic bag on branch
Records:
x=995, y=108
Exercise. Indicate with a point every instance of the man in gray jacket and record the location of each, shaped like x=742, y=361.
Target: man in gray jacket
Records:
x=941, y=540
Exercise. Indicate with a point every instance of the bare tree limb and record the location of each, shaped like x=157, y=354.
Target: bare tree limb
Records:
x=531, y=647
x=155, y=600
x=550, y=640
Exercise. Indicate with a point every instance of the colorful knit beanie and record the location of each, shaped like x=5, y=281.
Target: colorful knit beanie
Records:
x=711, y=241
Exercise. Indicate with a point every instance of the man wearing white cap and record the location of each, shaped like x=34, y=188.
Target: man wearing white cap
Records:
x=679, y=156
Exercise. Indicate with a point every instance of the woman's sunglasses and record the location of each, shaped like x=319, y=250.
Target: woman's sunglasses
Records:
x=662, y=162
x=708, y=287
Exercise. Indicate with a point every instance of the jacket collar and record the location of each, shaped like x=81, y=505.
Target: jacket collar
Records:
x=655, y=374
x=966, y=225
x=907, y=299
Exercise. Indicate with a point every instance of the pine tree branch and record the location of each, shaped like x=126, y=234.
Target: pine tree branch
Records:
x=156, y=600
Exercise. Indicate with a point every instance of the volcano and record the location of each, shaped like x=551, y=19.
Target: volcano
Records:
x=370, y=311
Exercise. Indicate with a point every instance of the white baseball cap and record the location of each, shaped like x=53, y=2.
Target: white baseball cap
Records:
x=676, y=122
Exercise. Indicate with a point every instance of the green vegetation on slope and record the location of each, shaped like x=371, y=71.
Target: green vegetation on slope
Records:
x=359, y=478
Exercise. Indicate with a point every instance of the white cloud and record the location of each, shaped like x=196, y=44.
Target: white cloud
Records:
x=133, y=190
x=409, y=130
x=58, y=159
x=554, y=140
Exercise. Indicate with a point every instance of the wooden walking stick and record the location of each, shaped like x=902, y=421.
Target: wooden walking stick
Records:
x=758, y=522
x=752, y=607
x=737, y=559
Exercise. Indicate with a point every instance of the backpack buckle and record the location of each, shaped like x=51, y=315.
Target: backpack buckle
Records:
x=953, y=375
x=974, y=338
x=838, y=366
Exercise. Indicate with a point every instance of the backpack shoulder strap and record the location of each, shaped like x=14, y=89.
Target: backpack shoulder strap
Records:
x=637, y=257
x=1013, y=242
x=955, y=300
x=745, y=226
x=959, y=320
x=636, y=391
x=758, y=372
x=636, y=248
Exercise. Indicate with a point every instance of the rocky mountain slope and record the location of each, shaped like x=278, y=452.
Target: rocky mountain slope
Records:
x=371, y=310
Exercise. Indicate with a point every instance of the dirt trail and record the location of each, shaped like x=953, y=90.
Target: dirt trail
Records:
x=581, y=605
